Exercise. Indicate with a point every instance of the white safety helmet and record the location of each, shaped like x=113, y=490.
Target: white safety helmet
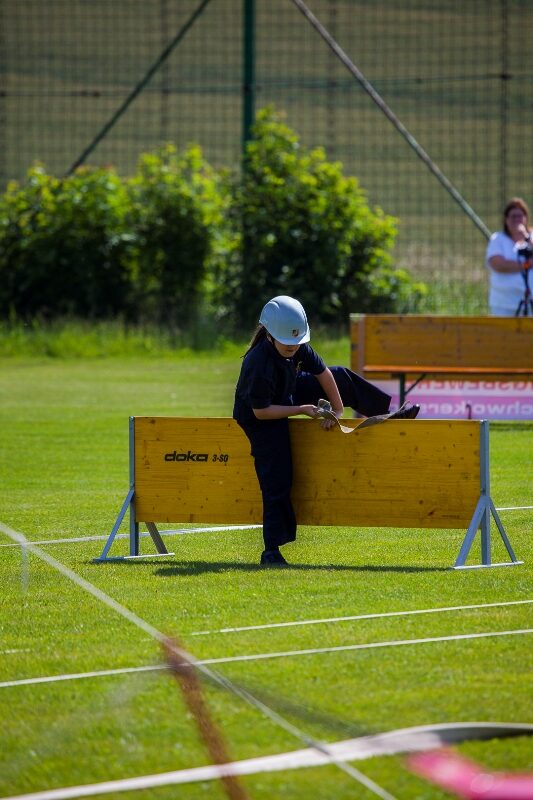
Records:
x=285, y=320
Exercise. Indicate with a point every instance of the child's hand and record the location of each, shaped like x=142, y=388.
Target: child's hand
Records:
x=310, y=411
x=328, y=414
x=317, y=412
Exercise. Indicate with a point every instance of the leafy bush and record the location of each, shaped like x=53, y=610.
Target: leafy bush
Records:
x=307, y=230
x=64, y=245
x=182, y=245
x=176, y=216
x=94, y=245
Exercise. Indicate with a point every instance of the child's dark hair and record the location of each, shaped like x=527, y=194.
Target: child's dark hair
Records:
x=260, y=333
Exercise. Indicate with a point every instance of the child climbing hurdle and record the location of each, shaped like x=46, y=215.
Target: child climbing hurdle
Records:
x=281, y=377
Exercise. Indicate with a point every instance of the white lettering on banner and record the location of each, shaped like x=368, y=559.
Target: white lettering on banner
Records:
x=453, y=399
x=461, y=387
x=478, y=410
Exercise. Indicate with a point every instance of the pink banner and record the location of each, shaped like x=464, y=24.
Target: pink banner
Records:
x=496, y=400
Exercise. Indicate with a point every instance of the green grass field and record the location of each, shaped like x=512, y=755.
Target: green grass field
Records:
x=64, y=475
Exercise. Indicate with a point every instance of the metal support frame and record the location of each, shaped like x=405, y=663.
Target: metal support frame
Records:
x=129, y=504
x=403, y=391
x=482, y=515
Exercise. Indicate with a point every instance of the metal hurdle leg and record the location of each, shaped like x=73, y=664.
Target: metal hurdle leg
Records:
x=482, y=516
x=156, y=538
x=129, y=503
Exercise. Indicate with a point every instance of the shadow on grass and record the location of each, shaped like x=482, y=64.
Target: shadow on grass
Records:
x=201, y=567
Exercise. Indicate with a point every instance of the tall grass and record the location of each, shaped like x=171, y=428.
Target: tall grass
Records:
x=73, y=338
x=468, y=298
x=68, y=339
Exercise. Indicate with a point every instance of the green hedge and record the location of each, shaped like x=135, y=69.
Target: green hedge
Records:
x=179, y=239
x=308, y=231
x=64, y=245
x=177, y=215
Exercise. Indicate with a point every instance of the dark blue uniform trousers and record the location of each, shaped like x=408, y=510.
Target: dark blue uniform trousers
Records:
x=355, y=392
x=271, y=448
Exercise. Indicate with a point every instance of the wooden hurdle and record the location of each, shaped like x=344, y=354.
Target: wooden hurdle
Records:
x=404, y=473
x=412, y=347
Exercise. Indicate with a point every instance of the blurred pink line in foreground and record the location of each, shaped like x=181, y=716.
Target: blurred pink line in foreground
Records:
x=469, y=780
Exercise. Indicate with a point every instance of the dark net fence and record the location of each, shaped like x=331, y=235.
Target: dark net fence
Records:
x=103, y=80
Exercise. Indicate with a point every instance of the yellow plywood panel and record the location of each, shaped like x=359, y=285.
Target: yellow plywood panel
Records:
x=422, y=473
x=194, y=470
x=489, y=343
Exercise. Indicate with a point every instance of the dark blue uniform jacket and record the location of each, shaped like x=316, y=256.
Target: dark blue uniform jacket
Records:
x=269, y=379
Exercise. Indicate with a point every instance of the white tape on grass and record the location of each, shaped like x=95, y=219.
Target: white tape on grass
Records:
x=515, y=508
x=355, y=617
x=297, y=759
x=418, y=739
x=14, y=650
x=312, y=651
x=76, y=676
x=177, y=532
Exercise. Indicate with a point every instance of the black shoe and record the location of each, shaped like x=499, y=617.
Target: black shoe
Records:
x=273, y=558
x=406, y=412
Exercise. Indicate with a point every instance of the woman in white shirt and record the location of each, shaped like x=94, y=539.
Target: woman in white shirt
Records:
x=505, y=262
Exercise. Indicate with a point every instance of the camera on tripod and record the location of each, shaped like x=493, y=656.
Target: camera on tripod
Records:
x=525, y=251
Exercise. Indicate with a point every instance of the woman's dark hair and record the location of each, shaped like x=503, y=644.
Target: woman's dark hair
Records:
x=260, y=333
x=515, y=202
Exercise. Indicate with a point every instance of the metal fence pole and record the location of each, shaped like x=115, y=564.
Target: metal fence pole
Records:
x=248, y=94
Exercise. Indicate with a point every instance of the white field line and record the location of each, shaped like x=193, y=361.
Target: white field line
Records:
x=178, y=532
x=264, y=656
x=382, y=615
x=15, y=650
x=74, y=676
x=368, y=646
x=515, y=508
